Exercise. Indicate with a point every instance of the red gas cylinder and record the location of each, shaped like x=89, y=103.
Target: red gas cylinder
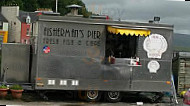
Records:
x=186, y=99
x=112, y=60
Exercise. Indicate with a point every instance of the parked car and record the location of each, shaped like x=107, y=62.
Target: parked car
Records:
x=186, y=99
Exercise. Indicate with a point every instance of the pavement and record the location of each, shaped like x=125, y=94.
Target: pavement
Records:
x=58, y=99
x=76, y=103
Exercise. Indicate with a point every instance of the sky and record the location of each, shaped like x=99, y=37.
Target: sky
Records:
x=172, y=12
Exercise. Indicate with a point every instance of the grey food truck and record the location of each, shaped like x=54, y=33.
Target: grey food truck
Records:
x=98, y=57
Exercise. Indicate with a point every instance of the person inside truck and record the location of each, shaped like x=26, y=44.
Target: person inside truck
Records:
x=109, y=52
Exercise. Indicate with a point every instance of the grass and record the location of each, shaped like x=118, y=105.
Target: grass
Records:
x=181, y=49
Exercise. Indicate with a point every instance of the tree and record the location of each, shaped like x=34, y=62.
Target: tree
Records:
x=2, y=3
x=45, y=3
x=18, y=2
x=32, y=5
x=64, y=10
x=12, y=2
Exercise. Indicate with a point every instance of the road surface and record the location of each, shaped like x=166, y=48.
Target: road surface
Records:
x=33, y=98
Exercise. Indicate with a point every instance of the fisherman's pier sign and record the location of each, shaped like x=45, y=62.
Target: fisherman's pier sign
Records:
x=71, y=36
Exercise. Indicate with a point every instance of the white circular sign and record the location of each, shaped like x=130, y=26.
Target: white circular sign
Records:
x=153, y=66
x=155, y=45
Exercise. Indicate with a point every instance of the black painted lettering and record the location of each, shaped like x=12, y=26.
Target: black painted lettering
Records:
x=91, y=43
x=94, y=35
x=79, y=42
x=67, y=42
x=57, y=41
x=73, y=33
x=44, y=40
x=67, y=33
x=62, y=32
x=54, y=31
x=63, y=41
x=76, y=33
x=89, y=34
x=58, y=32
x=98, y=34
x=45, y=31
x=53, y=41
x=87, y=43
x=47, y=41
x=50, y=40
x=82, y=34
x=98, y=44
x=72, y=42
x=49, y=32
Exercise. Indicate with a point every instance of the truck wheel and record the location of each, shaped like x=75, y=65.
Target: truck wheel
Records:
x=93, y=96
x=113, y=96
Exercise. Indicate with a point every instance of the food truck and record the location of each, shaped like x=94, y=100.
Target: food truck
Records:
x=98, y=57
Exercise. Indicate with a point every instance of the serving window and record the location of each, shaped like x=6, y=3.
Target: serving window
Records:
x=123, y=42
x=121, y=46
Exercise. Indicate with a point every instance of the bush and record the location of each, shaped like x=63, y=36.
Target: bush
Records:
x=3, y=87
x=16, y=87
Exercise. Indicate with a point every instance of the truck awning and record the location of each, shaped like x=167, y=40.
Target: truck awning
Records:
x=129, y=31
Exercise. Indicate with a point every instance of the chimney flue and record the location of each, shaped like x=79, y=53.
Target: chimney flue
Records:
x=74, y=9
x=56, y=6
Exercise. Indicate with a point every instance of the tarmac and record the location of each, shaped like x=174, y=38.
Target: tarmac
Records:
x=60, y=99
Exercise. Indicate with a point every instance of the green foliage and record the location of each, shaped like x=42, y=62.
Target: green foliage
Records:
x=29, y=5
x=45, y=3
x=85, y=13
x=3, y=87
x=32, y=5
x=12, y=2
x=181, y=49
x=16, y=87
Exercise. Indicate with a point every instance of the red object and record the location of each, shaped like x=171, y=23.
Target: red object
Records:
x=3, y=92
x=40, y=13
x=46, y=49
x=17, y=94
x=24, y=36
x=112, y=60
x=186, y=99
x=138, y=63
x=107, y=17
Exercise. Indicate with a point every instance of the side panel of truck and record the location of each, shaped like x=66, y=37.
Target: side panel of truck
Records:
x=142, y=78
x=15, y=63
x=76, y=55
x=71, y=57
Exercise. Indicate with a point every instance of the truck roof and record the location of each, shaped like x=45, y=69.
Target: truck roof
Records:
x=81, y=20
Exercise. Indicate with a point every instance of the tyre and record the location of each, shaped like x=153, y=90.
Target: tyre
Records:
x=113, y=96
x=92, y=95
